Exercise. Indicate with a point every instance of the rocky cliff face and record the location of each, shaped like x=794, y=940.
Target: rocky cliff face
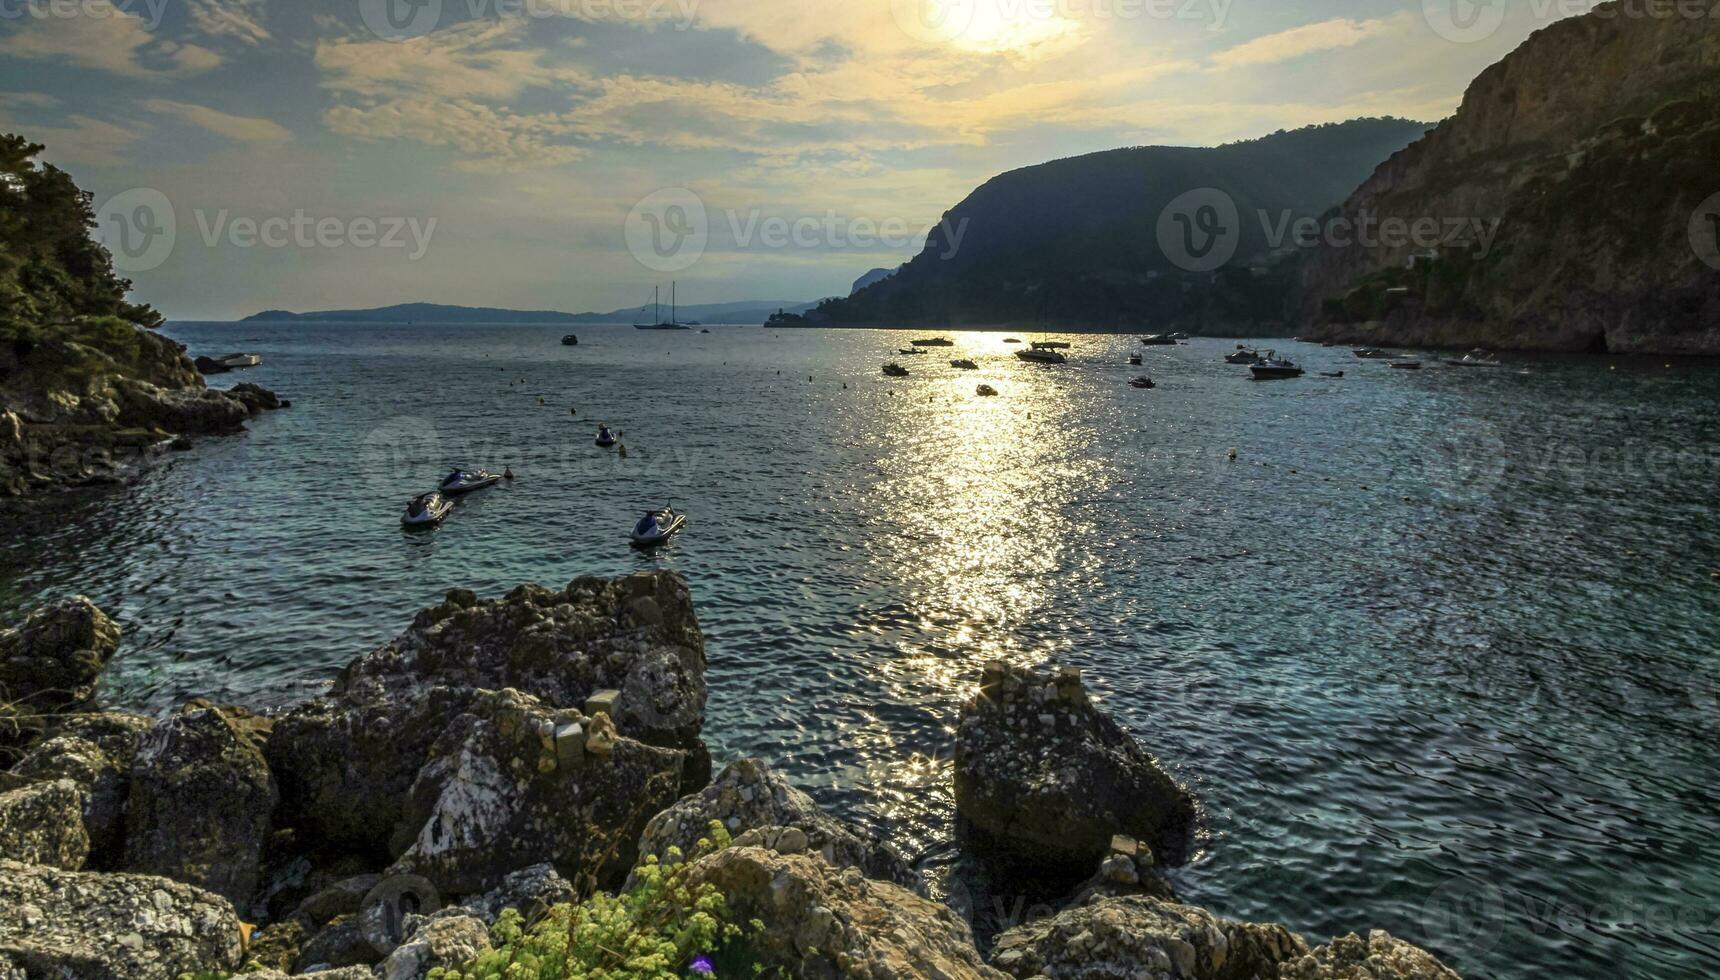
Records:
x=1570, y=194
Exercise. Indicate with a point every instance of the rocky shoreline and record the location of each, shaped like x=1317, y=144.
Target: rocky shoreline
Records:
x=536, y=749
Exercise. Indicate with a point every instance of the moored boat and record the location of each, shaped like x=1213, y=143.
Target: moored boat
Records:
x=964, y=364
x=1039, y=356
x=657, y=527
x=909, y=351
x=1135, y=359
x=985, y=391
x=1275, y=369
x=895, y=370
x=1246, y=355
x=570, y=341
x=1142, y=382
x=240, y=360
x=934, y=342
x=1159, y=340
x=1372, y=354
x=1476, y=358
x=1407, y=364
x=466, y=481
x=426, y=510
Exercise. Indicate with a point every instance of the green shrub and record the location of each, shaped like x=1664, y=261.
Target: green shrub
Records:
x=664, y=927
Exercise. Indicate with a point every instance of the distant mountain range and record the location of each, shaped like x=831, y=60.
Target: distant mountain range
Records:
x=748, y=312
x=1077, y=244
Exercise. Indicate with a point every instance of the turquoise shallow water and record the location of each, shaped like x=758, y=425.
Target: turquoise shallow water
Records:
x=1437, y=652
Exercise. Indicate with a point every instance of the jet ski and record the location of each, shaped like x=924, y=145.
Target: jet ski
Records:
x=605, y=438
x=657, y=527
x=427, y=510
x=465, y=481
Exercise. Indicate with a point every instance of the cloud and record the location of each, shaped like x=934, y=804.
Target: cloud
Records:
x=238, y=20
x=92, y=142
x=240, y=129
x=105, y=38
x=1326, y=35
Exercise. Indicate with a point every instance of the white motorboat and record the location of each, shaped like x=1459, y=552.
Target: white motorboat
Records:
x=241, y=360
x=1039, y=356
x=657, y=527
x=427, y=510
x=1274, y=369
x=465, y=481
x=1475, y=358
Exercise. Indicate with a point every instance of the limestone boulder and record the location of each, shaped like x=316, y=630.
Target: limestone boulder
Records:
x=749, y=795
x=532, y=891
x=347, y=760
x=202, y=801
x=95, y=751
x=43, y=823
x=822, y=922
x=50, y=662
x=1380, y=956
x=1139, y=936
x=513, y=783
x=197, y=411
x=1044, y=778
x=87, y=926
x=447, y=940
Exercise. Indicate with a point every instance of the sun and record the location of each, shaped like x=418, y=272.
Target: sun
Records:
x=1016, y=27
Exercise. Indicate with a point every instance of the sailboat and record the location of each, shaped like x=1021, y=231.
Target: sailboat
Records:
x=657, y=321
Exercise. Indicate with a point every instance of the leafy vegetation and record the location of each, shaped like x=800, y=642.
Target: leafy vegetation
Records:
x=663, y=927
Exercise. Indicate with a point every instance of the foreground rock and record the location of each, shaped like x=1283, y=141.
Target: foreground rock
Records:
x=822, y=922
x=748, y=795
x=1043, y=778
x=1140, y=936
x=50, y=662
x=511, y=783
x=442, y=941
x=346, y=761
x=95, y=751
x=79, y=925
x=202, y=801
x=44, y=824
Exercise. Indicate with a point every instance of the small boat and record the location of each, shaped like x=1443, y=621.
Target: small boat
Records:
x=465, y=481
x=706, y=330
x=1275, y=369
x=1039, y=356
x=1331, y=374
x=895, y=370
x=240, y=360
x=657, y=527
x=1135, y=359
x=1142, y=382
x=1159, y=340
x=1246, y=355
x=605, y=437
x=1372, y=354
x=985, y=391
x=965, y=365
x=934, y=342
x=910, y=351
x=1407, y=364
x=570, y=341
x=1012, y=340
x=1051, y=345
x=1179, y=335
x=426, y=510
x=1476, y=358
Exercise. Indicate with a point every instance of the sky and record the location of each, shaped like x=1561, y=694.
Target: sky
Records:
x=573, y=154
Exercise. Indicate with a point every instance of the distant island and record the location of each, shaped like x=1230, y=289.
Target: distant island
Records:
x=746, y=311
